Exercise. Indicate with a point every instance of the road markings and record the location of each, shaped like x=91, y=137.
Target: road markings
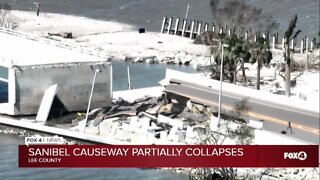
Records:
x=279, y=121
x=260, y=116
x=284, y=122
x=251, y=101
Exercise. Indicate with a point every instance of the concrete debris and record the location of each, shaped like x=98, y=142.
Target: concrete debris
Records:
x=147, y=59
x=161, y=120
x=276, y=173
x=67, y=35
x=165, y=109
x=154, y=109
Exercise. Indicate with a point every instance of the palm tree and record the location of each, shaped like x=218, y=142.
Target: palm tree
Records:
x=234, y=54
x=260, y=52
x=234, y=51
x=289, y=34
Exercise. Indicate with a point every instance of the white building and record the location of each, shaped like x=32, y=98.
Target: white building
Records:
x=30, y=65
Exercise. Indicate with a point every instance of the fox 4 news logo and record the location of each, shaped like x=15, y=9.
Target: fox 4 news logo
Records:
x=295, y=155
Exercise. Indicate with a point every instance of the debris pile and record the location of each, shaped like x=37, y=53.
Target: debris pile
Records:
x=168, y=119
x=145, y=121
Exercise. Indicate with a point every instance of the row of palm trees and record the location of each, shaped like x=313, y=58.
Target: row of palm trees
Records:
x=240, y=51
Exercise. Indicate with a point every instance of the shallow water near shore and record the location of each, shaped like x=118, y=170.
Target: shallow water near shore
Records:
x=142, y=75
x=149, y=13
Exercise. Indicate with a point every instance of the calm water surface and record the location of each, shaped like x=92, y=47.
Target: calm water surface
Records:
x=149, y=13
x=143, y=75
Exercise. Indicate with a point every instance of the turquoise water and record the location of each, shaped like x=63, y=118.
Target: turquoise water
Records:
x=3, y=72
x=142, y=75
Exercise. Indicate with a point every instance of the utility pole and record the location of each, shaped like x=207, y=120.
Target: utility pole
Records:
x=90, y=97
x=221, y=79
x=129, y=78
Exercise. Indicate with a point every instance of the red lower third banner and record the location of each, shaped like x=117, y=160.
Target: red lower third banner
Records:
x=148, y=156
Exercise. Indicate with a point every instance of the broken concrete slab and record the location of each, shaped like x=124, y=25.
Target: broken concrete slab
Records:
x=46, y=103
x=256, y=124
x=26, y=85
x=172, y=122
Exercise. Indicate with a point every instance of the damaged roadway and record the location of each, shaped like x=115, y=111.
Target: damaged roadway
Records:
x=193, y=105
x=274, y=116
x=161, y=120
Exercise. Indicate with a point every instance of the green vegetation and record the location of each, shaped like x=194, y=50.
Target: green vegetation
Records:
x=260, y=53
x=289, y=34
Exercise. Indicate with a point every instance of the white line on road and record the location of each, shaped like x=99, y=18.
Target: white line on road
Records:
x=255, y=102
x=265, y=117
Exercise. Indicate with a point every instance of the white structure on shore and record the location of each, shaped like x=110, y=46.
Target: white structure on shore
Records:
x=34, y=64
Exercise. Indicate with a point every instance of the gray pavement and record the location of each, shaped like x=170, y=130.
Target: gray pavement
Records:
x=305, y=124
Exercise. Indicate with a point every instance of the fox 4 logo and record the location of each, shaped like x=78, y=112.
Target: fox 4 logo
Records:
x=295, y=155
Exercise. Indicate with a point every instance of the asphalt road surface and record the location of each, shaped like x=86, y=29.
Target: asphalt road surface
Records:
x=276, y=117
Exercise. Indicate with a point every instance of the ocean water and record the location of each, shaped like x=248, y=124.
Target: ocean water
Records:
x=142, y=75
x=149, y=13
x=3, y=92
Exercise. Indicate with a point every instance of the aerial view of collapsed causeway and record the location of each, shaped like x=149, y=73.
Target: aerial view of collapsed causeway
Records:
x=242, y=73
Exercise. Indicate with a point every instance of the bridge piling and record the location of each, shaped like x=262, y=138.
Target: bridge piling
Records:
x=163, y=24
x=176, y=26
x=206, y=26
x=199, y=28
x=192, y=29
x=184, y=27
x=169, y=25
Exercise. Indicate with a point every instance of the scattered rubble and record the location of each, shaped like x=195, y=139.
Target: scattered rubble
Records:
x=67, y=35
x=168, y=119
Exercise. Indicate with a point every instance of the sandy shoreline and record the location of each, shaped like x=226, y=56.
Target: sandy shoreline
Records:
x=120, y=41
x=124, y=42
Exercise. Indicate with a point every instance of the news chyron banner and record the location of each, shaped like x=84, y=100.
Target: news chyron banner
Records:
x=147, y=156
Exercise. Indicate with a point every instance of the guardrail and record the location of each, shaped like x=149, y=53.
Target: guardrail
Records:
x=240, y=90
x=193, y=28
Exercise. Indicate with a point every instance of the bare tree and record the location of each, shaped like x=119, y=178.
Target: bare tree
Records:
x=240, y=14
x=6, y=20
x=242, y=135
